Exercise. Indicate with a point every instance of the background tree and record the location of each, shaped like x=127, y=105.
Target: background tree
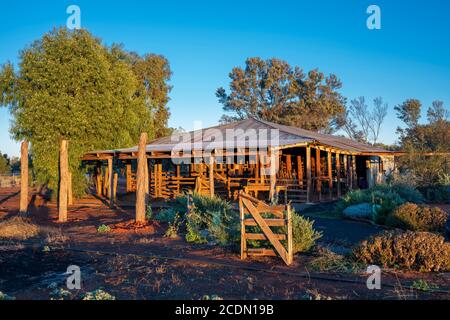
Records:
x=364, y=124
x=5, y=167
x=274, y=91
x=153, y=73
x=418, y=140
x=70, y=86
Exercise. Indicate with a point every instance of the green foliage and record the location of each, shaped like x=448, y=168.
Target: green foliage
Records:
x=149, y=212
x=423, y=285
x=98, y=294
x=421, y=251
x=4, y=296
x=436, y=193
x=174, y=227
x=384, y=197
x=212, y=219
x=328, y=261
x=70, y=86
x=4, y=165
x=408, y=192
x=274, y=91
x=166, y=215
x=414, y=217
x=103, y=229
x=303, y=234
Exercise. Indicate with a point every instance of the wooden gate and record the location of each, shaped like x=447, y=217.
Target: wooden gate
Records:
x=275, y=216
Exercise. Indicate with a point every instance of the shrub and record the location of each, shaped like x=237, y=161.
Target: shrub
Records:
x=421, y=251
x=166, y=215
x=328, y=261
x=436, y=193
x=4, y=296
x=174, y=227
x=211, y=219
x=98, y=294
x=18, y=228
x=384, y=197
x=408, y=192
x=103, y=229
x=303, y=234
x=410, y=216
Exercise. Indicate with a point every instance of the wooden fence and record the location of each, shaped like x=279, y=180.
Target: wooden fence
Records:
x=251, y=214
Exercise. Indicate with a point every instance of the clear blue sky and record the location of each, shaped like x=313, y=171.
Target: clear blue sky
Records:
x=408, y=58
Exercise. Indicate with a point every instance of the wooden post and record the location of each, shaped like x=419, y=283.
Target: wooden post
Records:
x=318, y=175
x=330, y=175
x=115, y=182
x=24, y=177
x=147, y=183
x=110, y=182
x=299, y=171
x=211, y=175
x=105, y=180
x=140, y=180
x=354, y=174
x=289, y=165
x=350, y=173
x=308, y=174
x=338, y=175
x=69, y=189
x=63, y=183
x=290, y=249
x=128, y=176
x=345, y=164
x=273, y=174
x=243, y=238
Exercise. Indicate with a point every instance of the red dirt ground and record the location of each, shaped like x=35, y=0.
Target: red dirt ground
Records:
x=138, y=262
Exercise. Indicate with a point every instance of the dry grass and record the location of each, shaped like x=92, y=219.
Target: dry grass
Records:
x=18, y=228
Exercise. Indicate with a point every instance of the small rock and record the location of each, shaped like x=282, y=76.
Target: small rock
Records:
x=362, y=210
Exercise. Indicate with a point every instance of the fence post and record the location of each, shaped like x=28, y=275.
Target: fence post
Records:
x=243, y=239
x=63, y=181
x=24, y=177
x=289, y=235
x=140, y=179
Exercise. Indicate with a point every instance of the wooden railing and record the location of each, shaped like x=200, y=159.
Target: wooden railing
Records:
x=275, y=216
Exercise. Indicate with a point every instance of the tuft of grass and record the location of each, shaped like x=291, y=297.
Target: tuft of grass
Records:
x=329, y=261
x=4, y=296
x=98, y=294
x=18, y=228
x=423, y=285
x=103, y=229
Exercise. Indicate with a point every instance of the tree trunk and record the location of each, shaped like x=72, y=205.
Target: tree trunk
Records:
x=24, y=178
x=63, y=181
x=140, y=181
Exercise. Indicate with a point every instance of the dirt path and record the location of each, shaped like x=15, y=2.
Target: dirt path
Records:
x=146, y=265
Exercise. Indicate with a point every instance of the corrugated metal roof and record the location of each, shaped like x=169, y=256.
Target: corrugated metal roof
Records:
x=249, y=133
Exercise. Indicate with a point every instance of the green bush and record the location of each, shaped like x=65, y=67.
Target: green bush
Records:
x=303, y=234
x=410, y=216
x=408, y=192
x=386, y=198
x=174, y=227
x=211, y=219
x=98, y=294
x=421, y=251
x=166, y=215
x=103, y=229
x=436, y=193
